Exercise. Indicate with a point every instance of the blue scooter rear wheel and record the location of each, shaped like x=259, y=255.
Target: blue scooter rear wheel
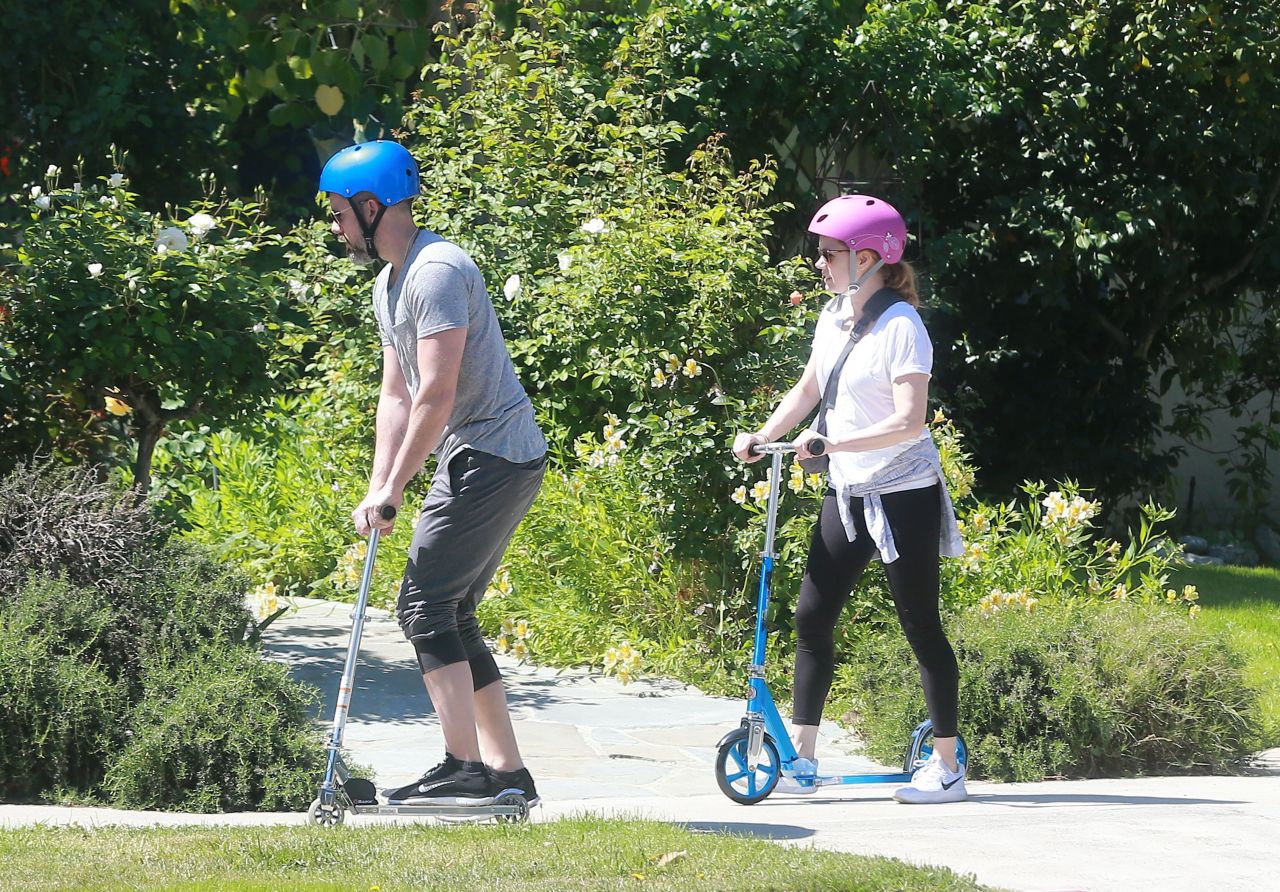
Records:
x=921, y=747
x=735, y=780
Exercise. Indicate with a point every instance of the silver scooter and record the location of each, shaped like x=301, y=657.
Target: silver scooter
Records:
x=340, y=792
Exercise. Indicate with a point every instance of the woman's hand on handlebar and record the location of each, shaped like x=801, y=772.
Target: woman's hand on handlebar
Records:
x=742, y=444
x=806, y=444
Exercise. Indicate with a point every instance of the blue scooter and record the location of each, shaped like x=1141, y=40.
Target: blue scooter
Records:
x=751, y=758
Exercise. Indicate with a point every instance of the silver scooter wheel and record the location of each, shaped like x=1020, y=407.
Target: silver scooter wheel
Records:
x=325, y=815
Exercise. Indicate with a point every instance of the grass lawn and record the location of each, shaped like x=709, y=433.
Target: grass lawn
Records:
x=585, y=853
x=1245, y=603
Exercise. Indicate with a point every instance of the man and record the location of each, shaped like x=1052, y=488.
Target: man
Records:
x=448, y=387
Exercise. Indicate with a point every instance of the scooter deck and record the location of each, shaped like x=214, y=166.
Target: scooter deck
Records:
x=833, y=780
x=441, y=811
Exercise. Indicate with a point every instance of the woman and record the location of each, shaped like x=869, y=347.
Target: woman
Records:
x=887, y=493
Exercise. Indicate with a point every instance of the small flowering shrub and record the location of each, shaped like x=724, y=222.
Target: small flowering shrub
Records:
x=1090, y=689
x=1048, y=552
x=155, y=317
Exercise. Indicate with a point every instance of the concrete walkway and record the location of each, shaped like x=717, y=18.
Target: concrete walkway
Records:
x=647, y=750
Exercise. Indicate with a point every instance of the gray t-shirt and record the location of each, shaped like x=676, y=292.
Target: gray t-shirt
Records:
x=440, y=288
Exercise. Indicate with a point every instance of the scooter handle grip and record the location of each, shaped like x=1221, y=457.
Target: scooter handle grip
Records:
x=816, y=447
x=387, y=512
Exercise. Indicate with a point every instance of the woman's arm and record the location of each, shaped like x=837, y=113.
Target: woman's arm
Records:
x=910, y=403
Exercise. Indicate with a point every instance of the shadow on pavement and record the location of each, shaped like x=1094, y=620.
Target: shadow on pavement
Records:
x=1033, y=800
x=756, y=831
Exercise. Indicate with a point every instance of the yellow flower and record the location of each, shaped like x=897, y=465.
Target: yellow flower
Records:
x=504, y=582
x=980, y=521
x=1189, y=593
x=610, y=658
x=796, y=483
x=612, y=419
x=508, y=627
x=760, y=492
x=1194, y=611
x=814, y=480
x=624, y=675
x=1171, y=596
x=692, y=369
x=116, y=407
x=740, y=495
x=522, y=629
x=519, y=649
x=624, y=652
x=576, y=486
x=659, y=378
x=502, y=644
x=938, y=417
x=1120, y=592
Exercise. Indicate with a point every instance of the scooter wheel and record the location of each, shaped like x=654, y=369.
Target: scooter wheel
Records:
x=521, y=805
x=735, y=780
x=325, y=815
x=922, y=747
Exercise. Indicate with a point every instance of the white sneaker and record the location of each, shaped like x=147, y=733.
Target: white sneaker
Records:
x=798, y=780
x=933, y=782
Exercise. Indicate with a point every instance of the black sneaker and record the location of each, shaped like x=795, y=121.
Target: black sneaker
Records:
x=452, y=782
x=519, y=781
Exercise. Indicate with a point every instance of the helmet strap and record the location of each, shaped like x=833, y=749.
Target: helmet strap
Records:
x=855, y=284
x=369, y=229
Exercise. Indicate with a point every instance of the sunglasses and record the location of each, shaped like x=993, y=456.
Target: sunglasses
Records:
x=828, y=253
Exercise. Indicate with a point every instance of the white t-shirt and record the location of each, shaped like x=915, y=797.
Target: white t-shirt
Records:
x=896, y=345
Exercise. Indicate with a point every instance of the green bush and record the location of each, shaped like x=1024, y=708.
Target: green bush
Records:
x=1086, y=691
x=89, y=655
x=60, y=713
x=221, y=730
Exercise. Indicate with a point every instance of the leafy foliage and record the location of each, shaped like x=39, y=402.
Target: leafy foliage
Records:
x=1058, y=154
x=85, y=639
x=117, y=311
x=219, y=730
x=1096, y=690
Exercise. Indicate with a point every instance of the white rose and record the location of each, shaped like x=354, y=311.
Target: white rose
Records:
x=259, y=328
x=594, y=226
x=512, y=288
x=200, y=224
x=35, y=191
x=95, y=270
x=115, y=180
x=43, y=202
x=75, y=187
x=565, y=259
x=171, y=239
x=53, y=171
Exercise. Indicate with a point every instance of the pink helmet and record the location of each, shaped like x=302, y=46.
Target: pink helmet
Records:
x=861, y=221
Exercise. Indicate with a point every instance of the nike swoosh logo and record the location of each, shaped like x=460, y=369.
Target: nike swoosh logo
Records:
x=948, y=786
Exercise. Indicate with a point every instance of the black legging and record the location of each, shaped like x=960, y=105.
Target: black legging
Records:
x=834, y=567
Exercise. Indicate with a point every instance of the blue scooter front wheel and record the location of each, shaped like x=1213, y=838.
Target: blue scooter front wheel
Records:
x=735, y=779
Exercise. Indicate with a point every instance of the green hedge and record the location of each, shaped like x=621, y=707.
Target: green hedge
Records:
x=1086, y=691
x=134, y=674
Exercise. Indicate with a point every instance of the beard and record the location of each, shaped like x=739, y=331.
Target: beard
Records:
x=359, y=256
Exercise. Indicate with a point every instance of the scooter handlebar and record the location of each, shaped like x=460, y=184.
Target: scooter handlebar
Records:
x=387, y=512
x=817, y=447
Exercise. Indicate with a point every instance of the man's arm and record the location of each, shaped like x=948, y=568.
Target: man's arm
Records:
x=393, y=418
x=439, y=361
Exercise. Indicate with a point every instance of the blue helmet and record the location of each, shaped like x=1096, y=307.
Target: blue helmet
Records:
x=382, y=167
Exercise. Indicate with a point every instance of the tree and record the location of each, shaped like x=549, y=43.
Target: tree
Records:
x=1098, y=183
x=116, y=311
